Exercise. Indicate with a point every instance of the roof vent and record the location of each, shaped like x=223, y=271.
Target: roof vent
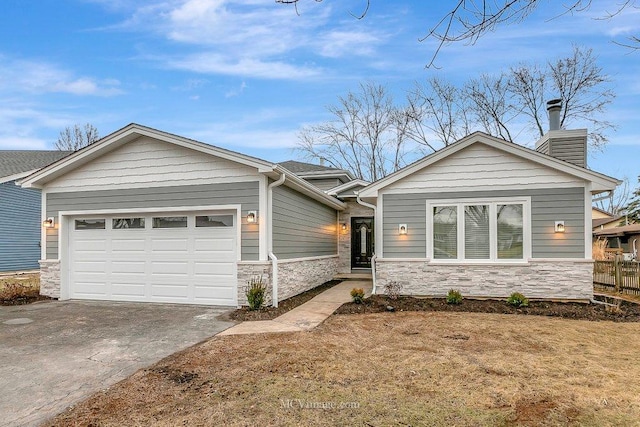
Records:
x=554, y=107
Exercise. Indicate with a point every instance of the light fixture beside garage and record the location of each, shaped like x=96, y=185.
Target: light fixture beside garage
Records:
x=402, y=229
x=49, y=222
x=252, y=217
x=559, y=227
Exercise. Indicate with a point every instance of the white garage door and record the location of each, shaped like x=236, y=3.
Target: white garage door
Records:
x=178, y=258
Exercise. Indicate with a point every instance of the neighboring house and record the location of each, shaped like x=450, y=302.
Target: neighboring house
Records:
x=624, y=237
x=601, y=219
x=20, y=212
x=143, y=215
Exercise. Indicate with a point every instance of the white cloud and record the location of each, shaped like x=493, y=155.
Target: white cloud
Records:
x=252, y=38
x=18, y=75
x=236, y=91
x=214, y=63
x=12, y=142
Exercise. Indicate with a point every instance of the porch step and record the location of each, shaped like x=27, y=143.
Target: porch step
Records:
x=353, y=276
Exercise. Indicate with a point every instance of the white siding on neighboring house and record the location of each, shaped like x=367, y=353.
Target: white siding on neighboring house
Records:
x=147, y=162
x=480, y=167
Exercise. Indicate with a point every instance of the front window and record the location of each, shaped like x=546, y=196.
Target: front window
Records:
x=478, y=231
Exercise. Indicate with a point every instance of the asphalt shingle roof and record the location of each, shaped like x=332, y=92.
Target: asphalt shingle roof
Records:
x=17, y=161
x=301, y=167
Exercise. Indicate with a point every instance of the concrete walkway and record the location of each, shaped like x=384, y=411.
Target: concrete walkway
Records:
x=306, y=316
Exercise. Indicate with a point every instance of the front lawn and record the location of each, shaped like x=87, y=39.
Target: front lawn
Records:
x=418, y=368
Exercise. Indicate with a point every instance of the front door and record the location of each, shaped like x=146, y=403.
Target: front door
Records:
x=361, y=242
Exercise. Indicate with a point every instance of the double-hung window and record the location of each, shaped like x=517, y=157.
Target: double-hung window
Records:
x=494, y=230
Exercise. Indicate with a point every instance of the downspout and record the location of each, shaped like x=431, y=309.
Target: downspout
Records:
x=272, y=256
x=374, y=257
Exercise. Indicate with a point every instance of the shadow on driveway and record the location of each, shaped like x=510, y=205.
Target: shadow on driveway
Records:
x=53, y=354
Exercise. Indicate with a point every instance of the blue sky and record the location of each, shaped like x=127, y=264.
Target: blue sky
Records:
x=247, y=74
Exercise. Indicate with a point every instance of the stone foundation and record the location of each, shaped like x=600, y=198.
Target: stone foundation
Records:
x=50, y=278
x=538, y=279
x=248, y=270
x=344, y=239
x=297, y=276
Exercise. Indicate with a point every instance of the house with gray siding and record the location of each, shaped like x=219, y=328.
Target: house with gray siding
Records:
x=20, y=209
x=144, y=215
x=489, y=217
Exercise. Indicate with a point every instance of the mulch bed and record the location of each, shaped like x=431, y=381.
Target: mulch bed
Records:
x=24, y=299
x=628, y=311
x=269, y=313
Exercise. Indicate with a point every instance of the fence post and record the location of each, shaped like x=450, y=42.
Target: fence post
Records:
x=617, y=264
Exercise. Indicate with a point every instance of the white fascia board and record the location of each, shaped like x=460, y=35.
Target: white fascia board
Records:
x=600, y=181
x=129, y=133
x=310, y=190
x=346, y=186
x=327, y=174
x=16, y=177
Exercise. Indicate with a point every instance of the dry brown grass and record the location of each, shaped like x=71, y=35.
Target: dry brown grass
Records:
x=437, y=369
x=19, y=285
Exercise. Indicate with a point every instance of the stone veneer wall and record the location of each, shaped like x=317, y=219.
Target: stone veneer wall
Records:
x=537, y=279
x=297, y=276
x=248, y=270
x=344, y=240
x=50, y=278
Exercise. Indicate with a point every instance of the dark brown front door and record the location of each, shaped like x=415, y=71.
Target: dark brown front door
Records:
x=361, y=242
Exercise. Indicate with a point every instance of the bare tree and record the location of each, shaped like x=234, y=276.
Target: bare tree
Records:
x=619, y=200
x=469, y=20
x=77, y=137
x=366, y=134
x=633, y=208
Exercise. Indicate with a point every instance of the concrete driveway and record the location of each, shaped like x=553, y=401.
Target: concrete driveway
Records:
x=54, y=354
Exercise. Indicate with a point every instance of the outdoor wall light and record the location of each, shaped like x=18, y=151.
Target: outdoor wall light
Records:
x=402, y=229
x=343, y=226
x=559, y=227
x=49, y=222
x=252, y=217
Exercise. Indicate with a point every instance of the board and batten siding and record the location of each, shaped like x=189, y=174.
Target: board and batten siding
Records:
x=239, y=193
x=148, y=162
x=480, y=167
x=302, y=227
x=547, y=206
x=20, y=225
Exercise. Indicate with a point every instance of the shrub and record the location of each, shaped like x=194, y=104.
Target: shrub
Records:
x=357, y=294
x=256, y=291
x=454, y=297
x=516, y=299
x=392, y=289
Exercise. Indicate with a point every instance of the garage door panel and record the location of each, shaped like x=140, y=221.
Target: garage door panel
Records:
x=178, y=265
x=128, y=245
x=127, y=289
x=169, y=245
x=90, y=245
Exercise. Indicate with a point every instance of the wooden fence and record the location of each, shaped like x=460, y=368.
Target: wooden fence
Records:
x=617, y=276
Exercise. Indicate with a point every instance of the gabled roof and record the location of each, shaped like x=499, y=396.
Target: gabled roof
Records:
x=602, y=211
x=600, y=181
x=310, y=170
x=134, y=131
x=15, y=164
x=602, y=221
x=619, y=231
x=347, y=186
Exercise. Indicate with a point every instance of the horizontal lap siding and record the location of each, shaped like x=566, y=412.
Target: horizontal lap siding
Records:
x=547, y=206
x=19, y=227
x=242, y=193
x=302, y=227
x=325, y=183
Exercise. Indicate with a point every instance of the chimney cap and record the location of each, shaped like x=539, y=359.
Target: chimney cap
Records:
x=554, y=103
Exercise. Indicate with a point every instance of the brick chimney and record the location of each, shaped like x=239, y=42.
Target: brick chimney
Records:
x=567, y=145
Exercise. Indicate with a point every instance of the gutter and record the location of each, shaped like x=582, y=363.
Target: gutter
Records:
x=272, y=256
x=374, y=257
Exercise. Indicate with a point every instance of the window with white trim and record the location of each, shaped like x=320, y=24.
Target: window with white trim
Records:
x=495, y=230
